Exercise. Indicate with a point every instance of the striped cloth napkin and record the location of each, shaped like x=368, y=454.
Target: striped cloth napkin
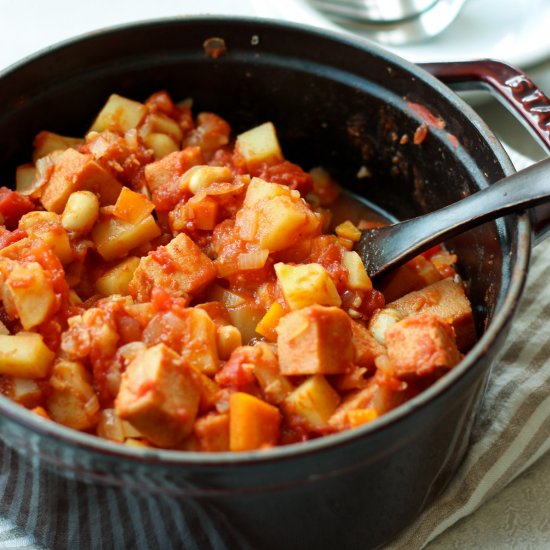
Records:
x=511, y=433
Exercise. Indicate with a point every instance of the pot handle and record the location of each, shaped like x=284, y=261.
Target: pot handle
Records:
x=517, y=92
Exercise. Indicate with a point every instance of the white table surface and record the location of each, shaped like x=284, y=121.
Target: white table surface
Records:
x=519, y=516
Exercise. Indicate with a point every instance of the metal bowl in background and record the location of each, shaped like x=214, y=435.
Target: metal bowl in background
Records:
x=338, y=102
x=392, y=22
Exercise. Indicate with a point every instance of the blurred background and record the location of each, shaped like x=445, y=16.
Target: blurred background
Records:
x=514, y=31
x=419, y=30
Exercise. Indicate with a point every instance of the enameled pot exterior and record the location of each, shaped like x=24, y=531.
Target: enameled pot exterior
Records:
x=340, y=104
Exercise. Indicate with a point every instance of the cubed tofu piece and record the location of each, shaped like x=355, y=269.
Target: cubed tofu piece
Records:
x=273, y=384
x=305, y=285
x=209, y=393
x=74, y=171
x=314, y=400
x=72, y=401
x=199, y=346
x=366, y=346
x=274, y=217
x=48, y=227
x=47, y=142
x=420, y=345
x=117, y=279
x=414, y=275
x=180, y=268
x=253, y=423
x=315, y=340
x=447, y=300
x=159, y=395
x=114, y=238
x=119, y=114
x=169, y=170
x=31, y=294
x=260, y=145
x=212, y=433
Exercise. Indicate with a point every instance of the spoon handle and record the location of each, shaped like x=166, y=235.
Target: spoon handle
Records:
x=387, y=247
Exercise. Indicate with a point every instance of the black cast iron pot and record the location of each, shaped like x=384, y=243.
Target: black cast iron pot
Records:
x=336, y=102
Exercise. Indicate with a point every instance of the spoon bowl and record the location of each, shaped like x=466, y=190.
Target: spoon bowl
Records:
x=384, y=248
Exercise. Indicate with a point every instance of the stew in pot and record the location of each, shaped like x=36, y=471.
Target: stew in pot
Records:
x=164, y=284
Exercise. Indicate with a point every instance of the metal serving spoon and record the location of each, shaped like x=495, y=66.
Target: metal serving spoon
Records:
x=385, y=248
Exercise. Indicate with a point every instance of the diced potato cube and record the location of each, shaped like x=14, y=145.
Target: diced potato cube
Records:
x=274, y=218
x=159, y=395
x=199, y=347
x=74, y=171
x=253, y=423
x=212, y=433
x=132, y=207
x=119, y=114
x=306, y=284
x=315, y=340
x=315, y=401
x=81, y=212
x=421, y=344
x=72, y=401
x=47, y=142
x=381, y=321
x=260, y=144
x=447, y=300
x=48, y=227
x=267, y=327
x=24, y=355
x=30, y=292
x=180, y=268
x=161, y=144
x=348, y=230
x=114, y=237
x=358, y=278
x=25, y=176
x=109, y=426
x=117, y=279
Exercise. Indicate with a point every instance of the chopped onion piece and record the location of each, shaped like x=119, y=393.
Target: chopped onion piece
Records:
x=252, y=260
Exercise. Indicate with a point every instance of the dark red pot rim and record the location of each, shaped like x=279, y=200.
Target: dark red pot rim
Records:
x=503, y=316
